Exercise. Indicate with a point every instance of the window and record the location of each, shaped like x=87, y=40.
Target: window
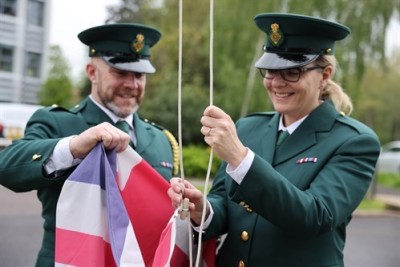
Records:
x=35, y=13
x=6, y=58
x=32, y=64
x=8, y=7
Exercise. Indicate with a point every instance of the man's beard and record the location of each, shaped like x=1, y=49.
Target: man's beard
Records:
x=122, y=113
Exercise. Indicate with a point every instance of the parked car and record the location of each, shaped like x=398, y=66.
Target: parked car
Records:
x=389, y=159
x=13, y=119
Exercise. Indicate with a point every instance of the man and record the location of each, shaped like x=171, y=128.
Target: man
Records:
x=56, y=139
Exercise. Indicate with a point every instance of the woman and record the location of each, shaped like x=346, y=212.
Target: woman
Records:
x=287, y=204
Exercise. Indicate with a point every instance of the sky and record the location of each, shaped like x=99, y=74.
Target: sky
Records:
x=70, y=17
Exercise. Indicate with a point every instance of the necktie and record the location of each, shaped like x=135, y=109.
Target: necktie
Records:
x=281, y=137
x=123, y=126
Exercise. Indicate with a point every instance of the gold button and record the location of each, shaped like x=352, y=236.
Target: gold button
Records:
x=241, y=264
x=244, y=236
x=249, y=210
x=36, y=157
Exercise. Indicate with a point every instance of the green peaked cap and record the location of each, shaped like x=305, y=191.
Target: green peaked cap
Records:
x=294, y=40
x=125, y=46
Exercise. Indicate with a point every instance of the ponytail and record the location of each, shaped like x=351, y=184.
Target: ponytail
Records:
x=334, y=91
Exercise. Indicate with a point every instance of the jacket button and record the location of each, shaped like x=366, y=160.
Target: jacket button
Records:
x=36, y=157
x=241, y=264
x=244, y=236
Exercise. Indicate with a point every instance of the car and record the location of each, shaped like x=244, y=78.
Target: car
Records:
x=389, y=159
x=13, y=119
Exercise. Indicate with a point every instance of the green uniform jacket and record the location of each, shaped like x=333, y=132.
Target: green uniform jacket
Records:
x=293, y=205
x=21, y=164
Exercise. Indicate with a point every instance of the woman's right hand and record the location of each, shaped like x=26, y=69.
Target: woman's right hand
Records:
x=194, y=195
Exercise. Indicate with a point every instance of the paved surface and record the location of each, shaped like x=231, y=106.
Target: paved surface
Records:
x=373, y=240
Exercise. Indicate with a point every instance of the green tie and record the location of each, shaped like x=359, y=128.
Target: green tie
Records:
x=123, y=126
x=281, y=137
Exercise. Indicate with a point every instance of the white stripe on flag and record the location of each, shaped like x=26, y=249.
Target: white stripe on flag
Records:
x=90, y=218
x=126, y=161
x=131, y=255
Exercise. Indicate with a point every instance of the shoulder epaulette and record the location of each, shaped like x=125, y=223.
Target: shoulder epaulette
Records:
x=56, y=107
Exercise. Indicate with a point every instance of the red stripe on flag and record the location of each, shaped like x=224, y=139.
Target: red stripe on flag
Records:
x=149, y=207
x=161, y=257
x=92, y=251
x=179, y=257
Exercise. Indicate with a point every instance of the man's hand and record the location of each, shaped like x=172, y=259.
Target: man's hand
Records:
x=105, y=132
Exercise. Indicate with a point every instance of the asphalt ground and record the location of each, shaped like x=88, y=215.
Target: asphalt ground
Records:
x=373, y=239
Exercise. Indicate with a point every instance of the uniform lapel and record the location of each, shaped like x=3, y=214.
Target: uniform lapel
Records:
x=259, y=135
x=144, y=135
x=305, y=136
x=91, y=113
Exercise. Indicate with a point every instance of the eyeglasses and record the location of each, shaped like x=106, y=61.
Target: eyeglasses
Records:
x=289, y=75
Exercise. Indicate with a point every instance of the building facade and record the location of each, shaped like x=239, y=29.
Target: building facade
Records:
x=24, y=34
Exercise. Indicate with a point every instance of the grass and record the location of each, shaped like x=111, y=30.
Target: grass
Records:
x=371, y=204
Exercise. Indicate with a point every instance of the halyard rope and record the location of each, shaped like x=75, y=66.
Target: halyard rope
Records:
x=201, y=227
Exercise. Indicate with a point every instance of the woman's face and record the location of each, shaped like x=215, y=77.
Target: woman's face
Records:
x=294, y=100
x=120, y=91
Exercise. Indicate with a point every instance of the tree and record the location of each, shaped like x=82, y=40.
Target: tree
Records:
x=236, y=45
x=57, y=89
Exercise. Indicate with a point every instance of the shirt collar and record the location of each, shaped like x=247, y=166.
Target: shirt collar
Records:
x=292, y=127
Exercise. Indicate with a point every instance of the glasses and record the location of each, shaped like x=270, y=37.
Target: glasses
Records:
x=289, y=75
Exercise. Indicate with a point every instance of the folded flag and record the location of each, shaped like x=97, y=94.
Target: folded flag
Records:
x=113, y=210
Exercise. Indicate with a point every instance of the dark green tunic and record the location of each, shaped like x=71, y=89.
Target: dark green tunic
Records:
x=292, y=207
x=21, y=164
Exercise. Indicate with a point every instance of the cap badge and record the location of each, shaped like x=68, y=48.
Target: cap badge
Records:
x=275, y=35
x=138, y=44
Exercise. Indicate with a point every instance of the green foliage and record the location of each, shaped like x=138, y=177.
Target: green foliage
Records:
x=57, y=89
x=196, y=159
x=378, y=102
x=238, y=89
x=390, y=180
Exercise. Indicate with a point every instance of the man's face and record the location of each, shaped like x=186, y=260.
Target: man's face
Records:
x=120, y=91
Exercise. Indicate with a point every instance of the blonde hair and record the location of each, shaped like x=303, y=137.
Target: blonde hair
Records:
x=334, y=91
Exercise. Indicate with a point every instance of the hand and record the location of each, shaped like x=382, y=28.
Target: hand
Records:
x=194, y=195
x=220, y=133
x=105, y=132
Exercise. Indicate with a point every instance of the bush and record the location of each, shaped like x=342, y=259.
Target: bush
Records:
x=196, y=159
x=391, y=180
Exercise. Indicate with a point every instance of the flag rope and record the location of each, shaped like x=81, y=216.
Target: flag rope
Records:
x=205, y=190
x=211, y=59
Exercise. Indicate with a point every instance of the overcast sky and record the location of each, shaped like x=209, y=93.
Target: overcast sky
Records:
x=69, y=17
